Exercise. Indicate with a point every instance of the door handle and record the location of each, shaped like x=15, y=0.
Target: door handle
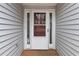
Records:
x=47, y=30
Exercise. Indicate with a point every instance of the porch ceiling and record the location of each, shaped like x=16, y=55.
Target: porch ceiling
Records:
x=39, y=5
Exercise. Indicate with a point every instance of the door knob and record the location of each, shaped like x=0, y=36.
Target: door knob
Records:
x=47, y=30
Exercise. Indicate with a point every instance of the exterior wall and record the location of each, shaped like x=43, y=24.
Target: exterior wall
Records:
x=67, y=29
x=11, y=29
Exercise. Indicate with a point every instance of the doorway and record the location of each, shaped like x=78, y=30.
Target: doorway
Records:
x=39, y=29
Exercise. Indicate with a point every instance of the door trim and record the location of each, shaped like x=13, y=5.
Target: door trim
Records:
x=26, y=46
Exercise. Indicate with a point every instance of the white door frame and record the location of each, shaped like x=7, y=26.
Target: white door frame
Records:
x=26, y=46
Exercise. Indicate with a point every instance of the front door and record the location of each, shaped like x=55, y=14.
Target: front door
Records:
x=39, y=29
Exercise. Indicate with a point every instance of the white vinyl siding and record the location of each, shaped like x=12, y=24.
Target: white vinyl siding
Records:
x=67, y=28
x=11, y=29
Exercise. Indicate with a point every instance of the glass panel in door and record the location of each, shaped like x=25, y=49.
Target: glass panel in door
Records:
x=39, y=24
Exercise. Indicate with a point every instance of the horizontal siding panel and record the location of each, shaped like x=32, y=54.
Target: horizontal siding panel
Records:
x=75, y=21
x=74, y=12
x=6, y=52
x=65, y=50
x=20, y=48
x=8, y=12
x=5, y=32
x=10, y=15
x=12, y=52
x=8, y=7
x=70, y=36
x=60, y=7
x=7, y=37
x=73, y=17
x=67, y=7
x=16, y=7
x=71, y=8
x=68, y=51
x=17, y=51
x=9, y=41
x=74, y=27
x=6, y=16
x=67, y=29
x=8, y=22
x=4, y=49
x=73, y=42
x=60, y=50
x=69, y=47
x=11, y=29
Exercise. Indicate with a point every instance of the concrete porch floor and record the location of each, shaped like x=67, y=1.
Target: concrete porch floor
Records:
x=50, y=52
